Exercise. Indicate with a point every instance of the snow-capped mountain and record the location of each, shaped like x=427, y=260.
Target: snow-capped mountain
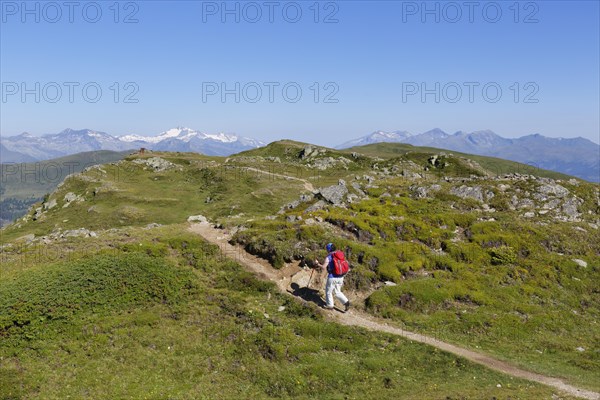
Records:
x=377, y=137
x=577, y=156
x=26, y=147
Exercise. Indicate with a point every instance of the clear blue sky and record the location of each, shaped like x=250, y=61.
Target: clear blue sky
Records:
x=377, y=58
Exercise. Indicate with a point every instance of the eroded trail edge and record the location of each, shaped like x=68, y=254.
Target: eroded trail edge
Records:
x=357, y=318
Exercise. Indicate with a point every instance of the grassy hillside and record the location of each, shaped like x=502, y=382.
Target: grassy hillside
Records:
x=24, y=184
x=505, y=264
x=495, y=166
x=159, y=314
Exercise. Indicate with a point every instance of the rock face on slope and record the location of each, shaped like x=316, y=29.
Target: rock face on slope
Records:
x=472, y=192
x=334, y=194
x=156, y=163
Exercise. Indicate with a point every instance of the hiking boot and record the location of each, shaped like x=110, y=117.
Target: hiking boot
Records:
x=328, y=307
x=347, y=306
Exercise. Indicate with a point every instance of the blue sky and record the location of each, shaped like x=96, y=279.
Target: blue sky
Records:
x=361, y=66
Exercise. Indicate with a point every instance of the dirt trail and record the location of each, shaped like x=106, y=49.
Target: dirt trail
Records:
x=284, y=277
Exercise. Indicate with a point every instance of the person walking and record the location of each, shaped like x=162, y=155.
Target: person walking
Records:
x=336, y=267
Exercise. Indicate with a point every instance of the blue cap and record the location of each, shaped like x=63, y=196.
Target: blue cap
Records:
x=329, y=247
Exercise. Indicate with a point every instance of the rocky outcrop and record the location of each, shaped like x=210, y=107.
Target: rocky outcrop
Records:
x=197, y=218
x=156, y=163
x=472, y=192
x=72, y=197
x=334, y=194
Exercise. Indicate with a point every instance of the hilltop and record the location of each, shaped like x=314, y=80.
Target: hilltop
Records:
x=486, y=254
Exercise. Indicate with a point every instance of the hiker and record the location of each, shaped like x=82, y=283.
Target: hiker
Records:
x=335, y=262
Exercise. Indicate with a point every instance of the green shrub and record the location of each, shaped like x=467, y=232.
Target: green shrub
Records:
x=390, y=272
x=96, y=284
x=378, y=301
x=503, y=255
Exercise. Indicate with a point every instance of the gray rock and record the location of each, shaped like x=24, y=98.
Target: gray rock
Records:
x=306, y=152
x=38, y=214
x=474, y=192
x=581, y=263
x=352, y=198
x=81, y=232
x=334, y=194
x=529, y=214
x=156, y=163
x=569, y=208
x=552, y=204
x=197, y=218
x=69, y=197
x=306, y=197
x=553, y=189
x=357, y=188
x=152, y=225
x=50, y=205
x=421, y=192
x=317, y=206
x=292, y=205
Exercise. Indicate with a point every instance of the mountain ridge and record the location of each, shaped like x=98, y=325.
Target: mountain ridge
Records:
x=577, y=156
x=26, y=147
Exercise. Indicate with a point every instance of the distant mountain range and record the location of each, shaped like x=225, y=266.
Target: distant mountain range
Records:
x=29, y=148
x=577, y=156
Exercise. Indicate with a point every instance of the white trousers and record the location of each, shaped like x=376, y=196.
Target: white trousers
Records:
x=334, y=287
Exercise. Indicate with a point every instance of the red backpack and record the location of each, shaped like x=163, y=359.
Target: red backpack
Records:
x=340, y=264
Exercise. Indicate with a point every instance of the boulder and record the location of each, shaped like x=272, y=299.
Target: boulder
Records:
x=472, y=192
x=317, y=206
x=50, y=205
x=197, y=218
x=553, y=189
x=334, y=194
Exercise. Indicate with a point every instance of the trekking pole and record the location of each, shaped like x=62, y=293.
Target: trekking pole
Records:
x=310, y=278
